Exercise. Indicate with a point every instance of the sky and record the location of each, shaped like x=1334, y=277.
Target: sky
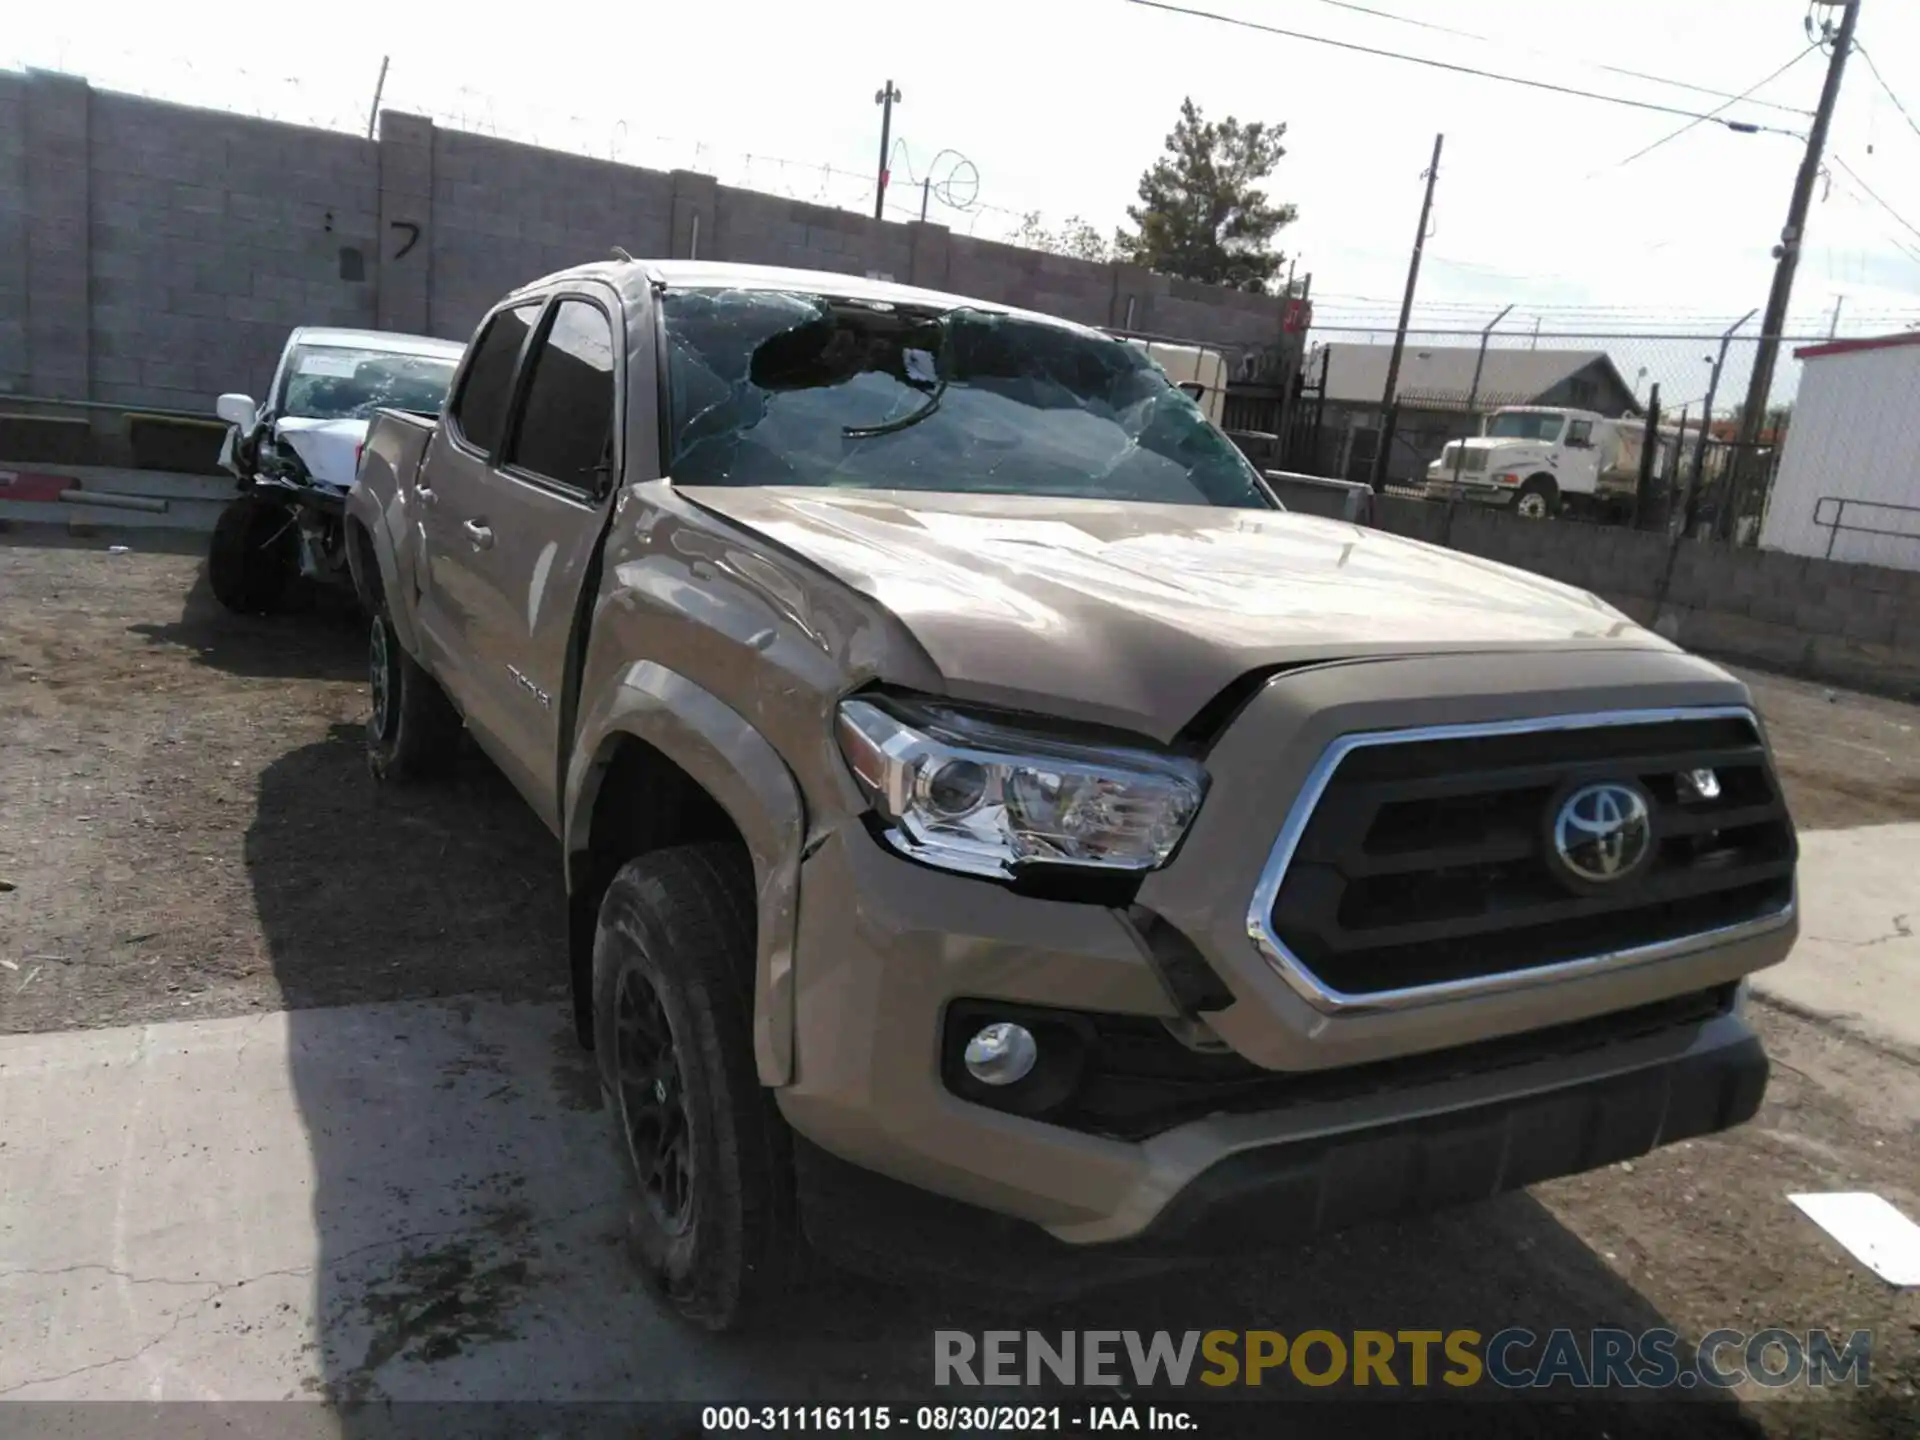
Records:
x=1058, y=105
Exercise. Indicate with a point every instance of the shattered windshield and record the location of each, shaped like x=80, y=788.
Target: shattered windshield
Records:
x=1519, y=426
x=326, y=383
x=771, y=388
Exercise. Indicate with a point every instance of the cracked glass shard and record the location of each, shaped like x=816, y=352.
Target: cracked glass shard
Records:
x=779, y=388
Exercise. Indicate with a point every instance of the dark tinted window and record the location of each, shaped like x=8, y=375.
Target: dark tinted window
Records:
x=568, y=420
x=481, y=409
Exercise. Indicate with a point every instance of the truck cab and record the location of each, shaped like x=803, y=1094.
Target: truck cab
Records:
x=1541, y=460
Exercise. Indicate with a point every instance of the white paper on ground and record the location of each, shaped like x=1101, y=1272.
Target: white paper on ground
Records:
x=1871, y=1229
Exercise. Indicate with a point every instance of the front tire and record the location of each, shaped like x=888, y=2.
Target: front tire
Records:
x=713, y=1225
x=1539, y=499
x=412, y=728
x=254, y=555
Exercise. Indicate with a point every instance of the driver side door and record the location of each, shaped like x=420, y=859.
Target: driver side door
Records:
x=1579, y=459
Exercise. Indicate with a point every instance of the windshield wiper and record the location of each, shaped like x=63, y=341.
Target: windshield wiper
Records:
x=894, y=427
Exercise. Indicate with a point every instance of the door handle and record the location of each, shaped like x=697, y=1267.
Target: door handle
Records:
x=478, y=535
x=425, y=492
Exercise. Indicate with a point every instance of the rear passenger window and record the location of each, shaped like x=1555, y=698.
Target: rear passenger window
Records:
x=567, y=426
x=481, y=408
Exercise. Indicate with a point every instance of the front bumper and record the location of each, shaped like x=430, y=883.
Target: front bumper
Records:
x=1479, y=492
x=1269, y=1196
x=886, y=949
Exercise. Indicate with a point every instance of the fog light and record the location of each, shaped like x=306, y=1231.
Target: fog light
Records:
x=1698, y=785
x=1002, y=1053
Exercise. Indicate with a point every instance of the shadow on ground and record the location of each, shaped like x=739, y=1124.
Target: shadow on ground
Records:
x=319, y=634
x=368, y=893
x=469, y=1202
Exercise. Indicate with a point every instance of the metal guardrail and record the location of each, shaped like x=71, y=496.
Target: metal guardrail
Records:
x=11, y=397
x=1835, y=521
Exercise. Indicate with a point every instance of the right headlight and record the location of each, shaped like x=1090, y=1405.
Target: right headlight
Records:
x=974, y=796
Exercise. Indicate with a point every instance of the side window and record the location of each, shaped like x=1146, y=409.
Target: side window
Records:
x=1580, y=434
x=567, y=426
x=480, y=409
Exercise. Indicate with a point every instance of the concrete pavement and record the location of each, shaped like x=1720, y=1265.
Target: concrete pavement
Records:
x=406, y=1201
x=1858, y=960
x=422, y=1201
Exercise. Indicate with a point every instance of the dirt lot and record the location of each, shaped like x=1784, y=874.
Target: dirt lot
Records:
x=191, y=831
x=190, y=828
x=187, y=829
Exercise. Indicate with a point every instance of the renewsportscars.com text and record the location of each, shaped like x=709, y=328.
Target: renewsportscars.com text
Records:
x=1511, y=1359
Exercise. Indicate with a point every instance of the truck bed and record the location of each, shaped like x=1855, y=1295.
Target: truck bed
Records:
x=396, y=443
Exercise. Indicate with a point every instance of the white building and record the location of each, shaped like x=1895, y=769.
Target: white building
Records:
x=1849, y=481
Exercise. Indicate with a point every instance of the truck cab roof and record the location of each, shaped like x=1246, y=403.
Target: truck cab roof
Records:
x=633, y=278
x=387, y=342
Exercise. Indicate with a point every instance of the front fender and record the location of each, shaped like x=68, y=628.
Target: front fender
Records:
x=736, y=765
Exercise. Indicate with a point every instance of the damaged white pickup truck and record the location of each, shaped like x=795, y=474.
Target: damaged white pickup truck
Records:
x=295, y=455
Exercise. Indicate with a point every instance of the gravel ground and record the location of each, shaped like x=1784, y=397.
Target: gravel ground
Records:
x=187, y=829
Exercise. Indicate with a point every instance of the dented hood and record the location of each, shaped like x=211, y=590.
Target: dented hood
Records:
x=329, y=448
x=1138, y=615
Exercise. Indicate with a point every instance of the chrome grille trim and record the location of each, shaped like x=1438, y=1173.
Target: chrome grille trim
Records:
x=1327, y=1000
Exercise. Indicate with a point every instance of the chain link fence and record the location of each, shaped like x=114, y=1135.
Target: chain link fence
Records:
x=1676, y=398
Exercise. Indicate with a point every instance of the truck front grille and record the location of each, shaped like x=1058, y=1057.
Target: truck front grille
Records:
x=1474, y=462
x=1430, y=858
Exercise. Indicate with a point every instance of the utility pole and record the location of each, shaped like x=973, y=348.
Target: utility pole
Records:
x=1706, y=424
x=1649, y=453
x=379, y=89
x=886, y=98
x=1473, y=395
x=1787, y=253
x=1388, y=407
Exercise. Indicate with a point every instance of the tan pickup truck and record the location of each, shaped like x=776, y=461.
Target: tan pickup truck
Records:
x=999, y=837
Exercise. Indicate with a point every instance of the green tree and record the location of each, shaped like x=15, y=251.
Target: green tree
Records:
x=1202, y=213
x=1076, y=238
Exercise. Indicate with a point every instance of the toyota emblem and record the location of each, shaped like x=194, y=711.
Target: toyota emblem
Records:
x=1603, y=833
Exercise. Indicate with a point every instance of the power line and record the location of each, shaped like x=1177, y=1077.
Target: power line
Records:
x=1431, y=323
x=1905, y=247
x=1450, y=66
x=1423, y=330
x=1530, y=50
x=1545, y=307
x=1898, y=104
x=1905, y=223
x=1715, y=114
x=1688, y=337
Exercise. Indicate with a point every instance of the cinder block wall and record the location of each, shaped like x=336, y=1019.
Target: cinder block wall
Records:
x=13, y=231
x=154, y=255
x=1854, y=625
x=206, y=236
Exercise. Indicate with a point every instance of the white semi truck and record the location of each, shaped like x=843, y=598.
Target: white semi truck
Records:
x=1541, y=460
